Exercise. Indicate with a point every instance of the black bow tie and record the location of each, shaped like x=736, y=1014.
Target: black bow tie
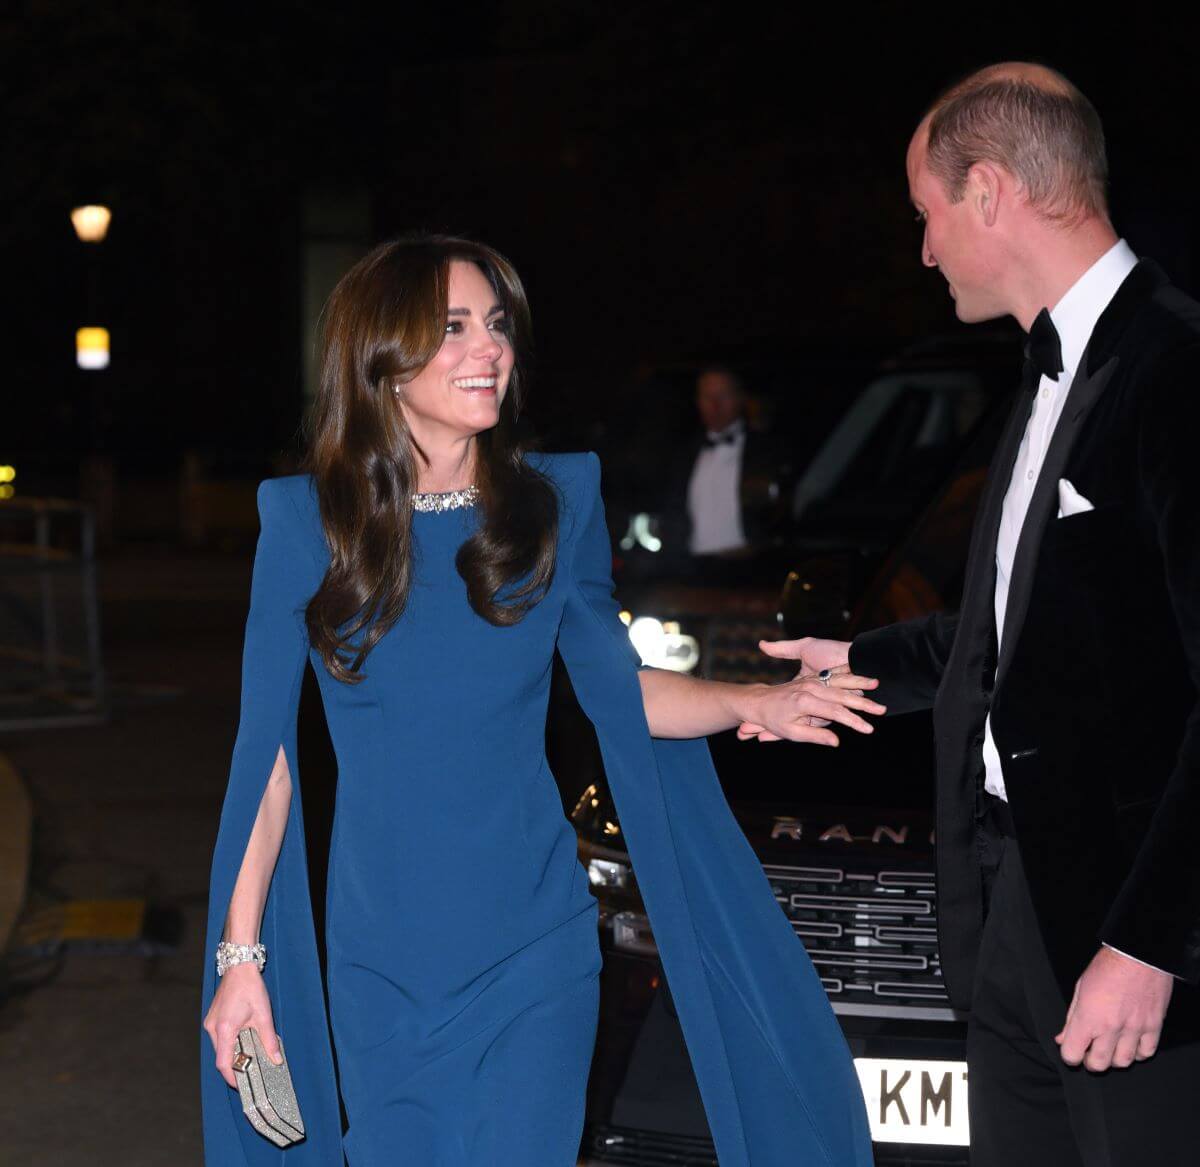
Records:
x=1043, y=352
x=723, y=439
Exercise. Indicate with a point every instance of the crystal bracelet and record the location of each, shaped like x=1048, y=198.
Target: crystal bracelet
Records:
x=230, y=954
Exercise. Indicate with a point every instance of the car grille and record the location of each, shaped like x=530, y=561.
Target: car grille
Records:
x=615, y=1144
x=729, y=651
x=871, y=937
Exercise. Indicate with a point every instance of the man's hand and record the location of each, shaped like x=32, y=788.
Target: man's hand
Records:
x=813, y=654
x=1116, y=1014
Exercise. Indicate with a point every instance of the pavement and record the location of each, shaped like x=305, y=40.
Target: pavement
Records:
x=121, y=811
x=16, y=846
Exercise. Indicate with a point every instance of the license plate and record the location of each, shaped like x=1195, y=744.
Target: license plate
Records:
x=911, y=1101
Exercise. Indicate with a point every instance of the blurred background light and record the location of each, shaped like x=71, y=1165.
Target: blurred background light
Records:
x=91, y=222
x=91, y=348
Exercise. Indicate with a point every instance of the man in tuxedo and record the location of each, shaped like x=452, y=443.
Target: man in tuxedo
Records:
x=1065, y=690
x=726, y=491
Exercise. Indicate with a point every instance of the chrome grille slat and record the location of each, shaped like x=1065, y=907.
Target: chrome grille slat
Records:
x=871, y=936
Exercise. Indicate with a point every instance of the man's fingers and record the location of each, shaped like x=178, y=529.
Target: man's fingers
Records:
x=782, y=649
x=1073, y=1042
x=1147, y=1045
x=1099, y=1054
x=1125, y=1052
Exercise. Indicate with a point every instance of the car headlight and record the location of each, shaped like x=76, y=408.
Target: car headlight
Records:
x=631, y=933
x=664, y=645
x=607, y=873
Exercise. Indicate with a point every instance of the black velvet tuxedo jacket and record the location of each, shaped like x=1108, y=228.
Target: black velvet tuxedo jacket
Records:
x=1094, y=696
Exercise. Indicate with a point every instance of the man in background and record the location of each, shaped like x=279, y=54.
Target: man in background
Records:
x=727, y=491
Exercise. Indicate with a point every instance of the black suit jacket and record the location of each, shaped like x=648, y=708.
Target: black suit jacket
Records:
x=1094, y=696
x=764, y=490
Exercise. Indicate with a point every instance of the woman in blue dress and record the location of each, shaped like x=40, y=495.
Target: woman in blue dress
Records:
x=429, y=569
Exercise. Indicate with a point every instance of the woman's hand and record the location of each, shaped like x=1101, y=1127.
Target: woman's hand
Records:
x=799, y=710
x=241, y=999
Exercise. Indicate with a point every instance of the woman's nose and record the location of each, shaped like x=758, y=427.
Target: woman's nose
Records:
x=487, y=348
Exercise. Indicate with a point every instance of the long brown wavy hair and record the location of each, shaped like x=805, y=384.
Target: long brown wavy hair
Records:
x=383, y=323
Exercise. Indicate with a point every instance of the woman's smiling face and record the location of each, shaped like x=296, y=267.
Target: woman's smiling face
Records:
x=459, y=393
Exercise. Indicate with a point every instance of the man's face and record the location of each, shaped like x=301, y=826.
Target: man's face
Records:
x=957, y=240
x=718, y=401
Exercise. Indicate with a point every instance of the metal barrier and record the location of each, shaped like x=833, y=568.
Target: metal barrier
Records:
x=51, y=668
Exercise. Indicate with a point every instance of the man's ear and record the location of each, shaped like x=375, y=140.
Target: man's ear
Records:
x=985, y=188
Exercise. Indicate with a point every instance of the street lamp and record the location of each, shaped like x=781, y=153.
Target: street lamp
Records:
x=91, y=222
x=91, y=348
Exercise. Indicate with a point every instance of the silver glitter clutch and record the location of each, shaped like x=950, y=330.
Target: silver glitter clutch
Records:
x=268, y=1097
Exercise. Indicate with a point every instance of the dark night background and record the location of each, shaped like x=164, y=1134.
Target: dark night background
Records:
x=675, y=182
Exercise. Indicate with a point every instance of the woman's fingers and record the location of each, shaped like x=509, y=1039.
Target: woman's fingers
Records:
x=267, y=1035
x=224, y=1039
x=828, y=711
x=831, y=694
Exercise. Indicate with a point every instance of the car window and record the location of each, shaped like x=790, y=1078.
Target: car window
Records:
x=896, y=437
x=926, y=573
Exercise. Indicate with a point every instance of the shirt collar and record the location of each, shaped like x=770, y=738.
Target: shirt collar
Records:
x=1075, y=315
x=736, y=429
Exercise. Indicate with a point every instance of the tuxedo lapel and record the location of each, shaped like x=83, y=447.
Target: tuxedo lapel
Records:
x=1085, y=391
x=980, y=580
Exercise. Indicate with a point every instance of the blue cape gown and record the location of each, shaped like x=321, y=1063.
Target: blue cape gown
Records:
x=776, y=1078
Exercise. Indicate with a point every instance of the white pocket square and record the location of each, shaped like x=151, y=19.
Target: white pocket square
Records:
x=1070, y=501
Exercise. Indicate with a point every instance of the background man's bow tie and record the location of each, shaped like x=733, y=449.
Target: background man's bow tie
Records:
x=723, y=439
x=1043, y=351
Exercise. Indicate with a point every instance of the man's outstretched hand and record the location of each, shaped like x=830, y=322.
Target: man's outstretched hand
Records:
x=813, y=654
x=1116, y=1014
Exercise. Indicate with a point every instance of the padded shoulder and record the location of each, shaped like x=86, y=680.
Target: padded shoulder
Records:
x=577, y=477
x=289, y=505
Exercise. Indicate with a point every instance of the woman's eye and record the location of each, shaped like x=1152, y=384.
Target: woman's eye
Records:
x=454, y=328
x=499, y=324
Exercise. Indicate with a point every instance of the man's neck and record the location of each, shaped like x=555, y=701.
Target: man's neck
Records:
x=1053, y=262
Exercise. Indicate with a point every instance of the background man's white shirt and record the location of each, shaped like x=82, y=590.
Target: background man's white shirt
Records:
x=714, y=494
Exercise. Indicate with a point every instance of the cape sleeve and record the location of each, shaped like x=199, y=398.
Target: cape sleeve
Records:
x=777, y=1081
x=286, y=574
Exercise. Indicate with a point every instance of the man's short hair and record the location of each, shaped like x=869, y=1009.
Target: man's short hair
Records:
x=1043, y=131
x=735, y=378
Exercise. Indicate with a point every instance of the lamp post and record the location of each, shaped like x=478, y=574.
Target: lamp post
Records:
x=92, y=344
x=91, y=222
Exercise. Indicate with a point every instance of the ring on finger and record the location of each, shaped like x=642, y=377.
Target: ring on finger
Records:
x=825, y=676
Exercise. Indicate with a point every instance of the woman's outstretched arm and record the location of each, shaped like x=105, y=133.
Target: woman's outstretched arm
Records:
x=679, y=706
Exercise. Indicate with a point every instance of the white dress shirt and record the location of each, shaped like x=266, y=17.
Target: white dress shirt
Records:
x=1075, y=317
x=715, y=494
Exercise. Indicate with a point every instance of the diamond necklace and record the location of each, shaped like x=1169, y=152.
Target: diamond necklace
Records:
x=447, y=500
